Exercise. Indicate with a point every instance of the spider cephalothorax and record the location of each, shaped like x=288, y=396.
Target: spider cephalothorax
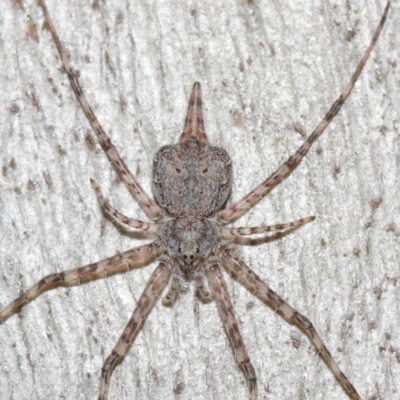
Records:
x=189, y=240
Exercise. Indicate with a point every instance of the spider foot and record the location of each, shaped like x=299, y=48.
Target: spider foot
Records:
x=250, y=375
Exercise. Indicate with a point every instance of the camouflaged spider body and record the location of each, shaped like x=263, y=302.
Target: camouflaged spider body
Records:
x=191, y=183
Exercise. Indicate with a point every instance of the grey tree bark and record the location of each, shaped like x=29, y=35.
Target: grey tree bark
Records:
x=269, y=72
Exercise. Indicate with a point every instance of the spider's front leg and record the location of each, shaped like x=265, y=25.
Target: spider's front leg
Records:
x=221, y=296
x=156, y=284
x=252, y=282
x=134, y=258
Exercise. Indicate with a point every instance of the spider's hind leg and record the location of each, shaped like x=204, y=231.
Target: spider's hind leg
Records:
x=236, y=210
x=149, y=206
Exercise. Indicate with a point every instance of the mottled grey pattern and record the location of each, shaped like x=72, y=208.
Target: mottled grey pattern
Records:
x=192, y=178
x=191, y=183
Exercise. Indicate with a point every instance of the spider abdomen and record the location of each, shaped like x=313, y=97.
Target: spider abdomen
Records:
x=192, y=178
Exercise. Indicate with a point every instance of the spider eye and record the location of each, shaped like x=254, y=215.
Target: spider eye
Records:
x=191, y=256
x=185, y=256
x=180, y=250
x=197, y=250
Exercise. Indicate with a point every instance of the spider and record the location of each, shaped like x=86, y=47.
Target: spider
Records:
x=191, y=183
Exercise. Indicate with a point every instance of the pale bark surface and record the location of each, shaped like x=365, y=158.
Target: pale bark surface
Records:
x=269, y=72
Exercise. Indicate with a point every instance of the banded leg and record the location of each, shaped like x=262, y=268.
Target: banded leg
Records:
x=134, y=258
x=232, y=233
x=201, y=292
x=147, y=228
x=156, y=284
x=239, y=208
x=174, y=289
x=148, y=205
x=221, y=297
x=252, y=282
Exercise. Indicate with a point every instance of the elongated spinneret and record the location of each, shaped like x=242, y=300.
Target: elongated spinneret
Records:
x=194, y=122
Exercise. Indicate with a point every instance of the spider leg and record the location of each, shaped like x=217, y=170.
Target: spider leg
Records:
x=134, y=258
x=172, y=294
x=149, y=206
x=156, y=284
x=239, y=208
x=194, y=122
x=201, y=292
x=232, y=233
x=148, y=229
x=252, y=282
x=221, y=297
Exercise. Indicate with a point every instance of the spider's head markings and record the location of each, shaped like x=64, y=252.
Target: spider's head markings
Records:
x=189, y=241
